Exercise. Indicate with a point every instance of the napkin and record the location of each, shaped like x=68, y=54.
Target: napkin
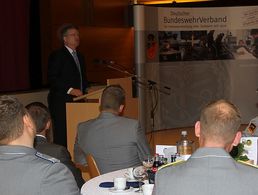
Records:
x=134, y=184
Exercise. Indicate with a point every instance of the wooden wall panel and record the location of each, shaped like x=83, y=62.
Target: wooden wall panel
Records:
x=102, y=29
x=105, y=43
x=111, y=13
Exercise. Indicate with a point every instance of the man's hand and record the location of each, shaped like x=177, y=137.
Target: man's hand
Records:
x=76, y=92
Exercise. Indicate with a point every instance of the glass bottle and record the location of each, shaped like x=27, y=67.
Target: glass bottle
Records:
x=184, y=146
x=156, y=163
x=161, y=160
x=173, y=158
x=154, y=169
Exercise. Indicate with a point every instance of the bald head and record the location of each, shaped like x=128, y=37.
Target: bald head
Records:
x=219, y=123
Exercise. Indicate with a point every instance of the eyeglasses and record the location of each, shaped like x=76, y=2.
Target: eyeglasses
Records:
x=72, y=34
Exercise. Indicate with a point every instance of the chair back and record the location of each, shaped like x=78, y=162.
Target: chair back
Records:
x=92, y=166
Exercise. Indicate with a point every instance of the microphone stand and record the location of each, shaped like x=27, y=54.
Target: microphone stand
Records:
x=142, y=81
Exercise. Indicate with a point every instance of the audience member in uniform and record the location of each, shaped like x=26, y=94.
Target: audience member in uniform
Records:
x=41, y=117
x=210, y=169
x=23, y=170
x=115, y=142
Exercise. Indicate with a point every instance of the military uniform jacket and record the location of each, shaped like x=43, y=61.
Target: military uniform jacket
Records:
x=115, y=142
x=209, y=171
x=25, y=171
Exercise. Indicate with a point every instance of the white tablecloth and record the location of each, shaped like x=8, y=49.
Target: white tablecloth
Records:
x=91, y=187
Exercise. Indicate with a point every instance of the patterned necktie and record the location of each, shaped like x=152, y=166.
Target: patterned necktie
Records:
x=75, y=57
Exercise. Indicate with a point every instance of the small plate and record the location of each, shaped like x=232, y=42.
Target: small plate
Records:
x=113, y=190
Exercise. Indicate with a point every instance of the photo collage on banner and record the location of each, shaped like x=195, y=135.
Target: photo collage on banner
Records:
x=187, y=35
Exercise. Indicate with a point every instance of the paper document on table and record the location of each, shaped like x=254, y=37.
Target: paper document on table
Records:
x=166, y=150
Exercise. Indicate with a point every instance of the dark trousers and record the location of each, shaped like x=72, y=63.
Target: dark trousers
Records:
x=57, y=108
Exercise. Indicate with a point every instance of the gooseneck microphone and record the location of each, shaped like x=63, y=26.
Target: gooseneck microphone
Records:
x=103, y=62
x=120, y=68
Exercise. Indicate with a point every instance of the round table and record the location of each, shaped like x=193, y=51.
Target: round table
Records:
x=92, y=186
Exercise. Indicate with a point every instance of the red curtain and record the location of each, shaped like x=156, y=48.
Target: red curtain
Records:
x=14, y=44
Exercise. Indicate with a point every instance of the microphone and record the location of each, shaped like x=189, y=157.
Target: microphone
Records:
x=154, y=83
x=120, y=68
x=102, y=61
x=151, y=82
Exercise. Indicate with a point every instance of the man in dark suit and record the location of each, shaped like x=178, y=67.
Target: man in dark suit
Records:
x=41, y=117
x=66, y=76
x=114, y=141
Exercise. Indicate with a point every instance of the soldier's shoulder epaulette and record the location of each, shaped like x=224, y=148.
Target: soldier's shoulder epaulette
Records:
x=47, y=157
x=171, y=164
x=247, y=163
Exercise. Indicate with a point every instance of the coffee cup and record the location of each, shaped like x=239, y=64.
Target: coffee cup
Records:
x=120, y=183
x=147, y=189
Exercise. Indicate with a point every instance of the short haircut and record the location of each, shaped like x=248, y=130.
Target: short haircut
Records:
x=112, y=98
x=220, y=121
x=11, y=119
x=40, y=115
x=62, y=31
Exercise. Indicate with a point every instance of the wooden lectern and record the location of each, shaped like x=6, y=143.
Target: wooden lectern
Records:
x=83, y=111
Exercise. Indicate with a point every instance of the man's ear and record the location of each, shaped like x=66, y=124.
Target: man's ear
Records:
x=29, y=126
x=121, y=108
x=48, y=125
x=27, y=121
x=237, y=138
x=64, y=39
x=197, y=129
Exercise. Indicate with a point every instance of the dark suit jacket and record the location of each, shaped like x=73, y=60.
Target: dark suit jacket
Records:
x=59, y=152
x=64, y=74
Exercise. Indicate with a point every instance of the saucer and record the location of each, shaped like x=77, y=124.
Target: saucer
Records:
x=114, y=190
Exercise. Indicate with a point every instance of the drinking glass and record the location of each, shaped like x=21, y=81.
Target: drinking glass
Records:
x=139, y=174
x=148, y=162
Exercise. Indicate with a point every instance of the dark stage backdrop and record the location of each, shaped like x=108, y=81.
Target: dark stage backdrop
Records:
x=14, y=23
x=19, y=35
